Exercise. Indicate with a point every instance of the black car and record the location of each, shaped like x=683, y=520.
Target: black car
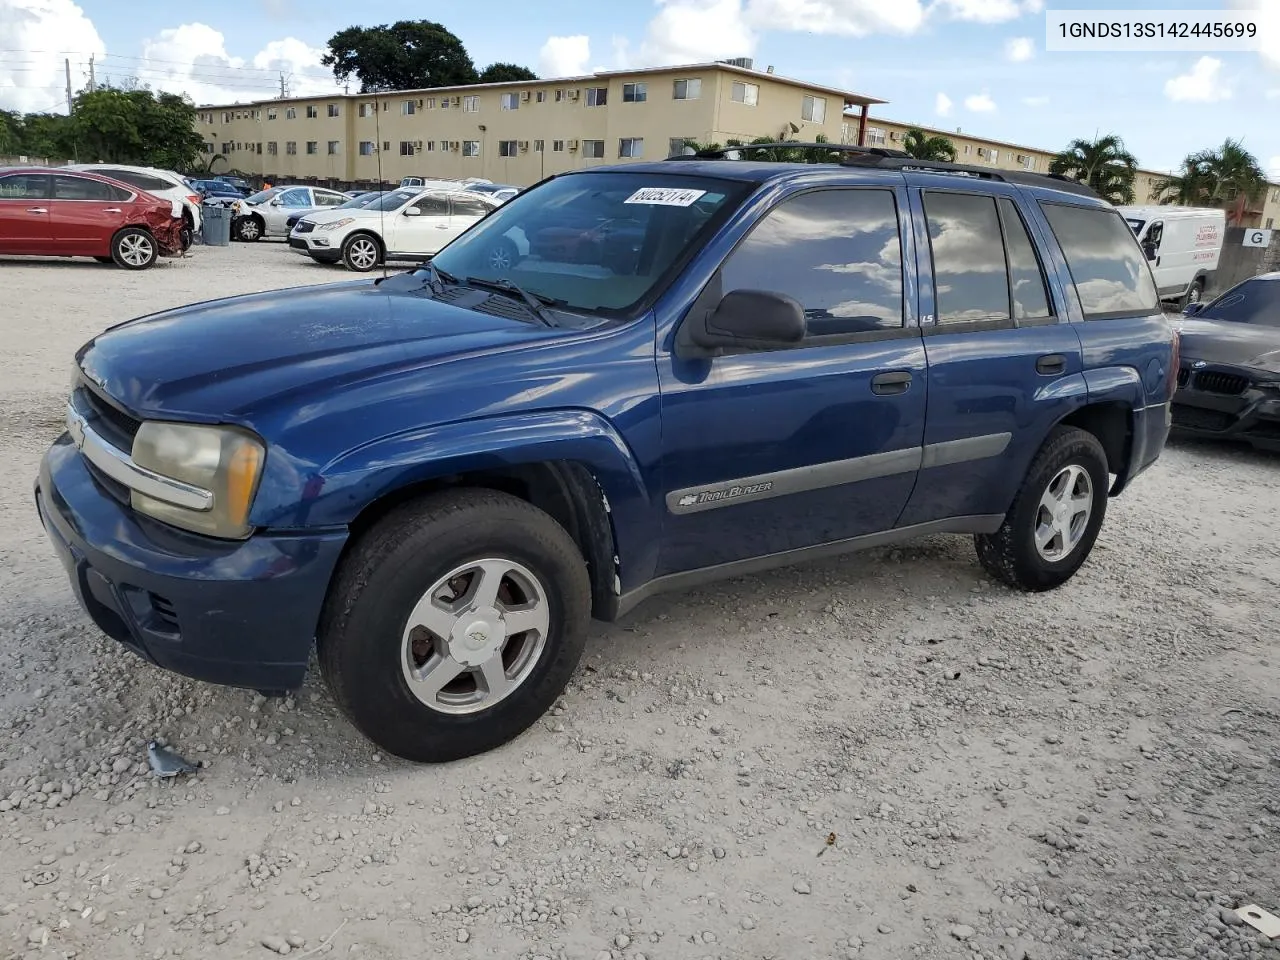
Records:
x=1229, y=373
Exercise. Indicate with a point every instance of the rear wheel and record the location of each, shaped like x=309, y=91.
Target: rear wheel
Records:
x=361, y=252
x=134, y=249
x=454, y=624
x=1054, y=521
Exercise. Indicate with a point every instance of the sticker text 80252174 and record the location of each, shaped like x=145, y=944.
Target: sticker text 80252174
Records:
x=665, y=196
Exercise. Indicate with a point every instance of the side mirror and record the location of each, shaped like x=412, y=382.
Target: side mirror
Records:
x=750, y=320
x=275, y=201
x=1191, y=309
x=412, y=212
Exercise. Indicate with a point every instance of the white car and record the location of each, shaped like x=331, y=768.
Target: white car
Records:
x=165, y=184
x=266, y=213
x=404, y=225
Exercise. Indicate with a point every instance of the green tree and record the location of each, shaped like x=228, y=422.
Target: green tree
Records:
x=1215, y=178
x=924, y=146
x=10, y=133
x=407, y=55
x=135, y=126
x=1103, y=164
x=505, y=73
x=47, y=135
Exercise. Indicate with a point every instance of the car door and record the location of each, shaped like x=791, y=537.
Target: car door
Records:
x=422, y=232
x=1163, y=267
x=465, y=211
x=277, y=210
x=25, y=199
x=85, y=214
x=1004, y=362
x=769, y=451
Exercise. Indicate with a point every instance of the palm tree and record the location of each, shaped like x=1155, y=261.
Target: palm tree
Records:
x=1229, y=177
x=208, y=167
x=1104, y=164
x=923, y=146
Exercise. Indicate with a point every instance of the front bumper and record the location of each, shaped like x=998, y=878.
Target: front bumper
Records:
x=240, y=613
x=306, y=245
x=1252, y=416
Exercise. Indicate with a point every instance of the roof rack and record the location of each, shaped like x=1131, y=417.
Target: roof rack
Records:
x=888, y=159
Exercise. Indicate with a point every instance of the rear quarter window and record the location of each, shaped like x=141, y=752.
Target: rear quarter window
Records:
x=140, y=180
x=1107, y=266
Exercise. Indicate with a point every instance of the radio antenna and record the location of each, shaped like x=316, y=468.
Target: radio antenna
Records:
x=382, y=213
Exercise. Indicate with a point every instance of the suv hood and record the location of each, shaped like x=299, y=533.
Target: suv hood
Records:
x=227, y=360
x=1227, y=342
x=319, y=215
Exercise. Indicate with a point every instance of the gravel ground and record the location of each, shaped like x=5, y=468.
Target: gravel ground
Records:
x=882, y=757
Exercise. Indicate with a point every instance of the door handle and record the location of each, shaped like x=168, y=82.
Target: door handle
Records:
x=111, y=210
x=37, y=210
x=442, y=226
x=890, y=384
x=1051, y=365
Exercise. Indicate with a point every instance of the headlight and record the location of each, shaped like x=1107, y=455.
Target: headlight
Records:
x=235, y=206
x=336, y=224
x=1267, y=384
x=223, y=460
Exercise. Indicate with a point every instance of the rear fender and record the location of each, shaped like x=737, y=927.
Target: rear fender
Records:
x=1122, y=386
x=346, y=486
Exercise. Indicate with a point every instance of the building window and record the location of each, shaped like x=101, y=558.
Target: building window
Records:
x=510, y=101
x=429, y=103
x=431, y=146
x=386, y=146
x=538, y=146
x=313, y=146
x=258, y=148
x=559, y=95
x=368, y=109
x=408, y=108
x=1027, y=161
x=748, y=93
x=471, y=148
x=593, y=148
x=507, y=148
x=635, y=92
x=406, y=148
x=875, y=136
x=1270, y=221
x=366, y=148
x=995, y=156
x=272, y=148
x=597, y=96
x=686, y=89
x=312, y=112
x=676, y=145
x=291, y=148
x=631, y=147
x=271, y=114
x=291, y=113
x=334, y=111
x=226, y=147
x=541, y=96
x=814, y=109
x=557, y=146
x=470, y=104
x=334, y=147
x=444, y=146
x=444, y=103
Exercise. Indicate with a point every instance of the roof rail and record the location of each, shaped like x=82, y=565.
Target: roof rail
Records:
x=888, y=159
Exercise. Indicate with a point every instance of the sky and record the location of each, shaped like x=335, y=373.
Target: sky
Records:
x=974, y=65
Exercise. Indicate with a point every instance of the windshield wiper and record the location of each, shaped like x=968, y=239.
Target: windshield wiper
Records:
x=437, y=278
x=535, y=302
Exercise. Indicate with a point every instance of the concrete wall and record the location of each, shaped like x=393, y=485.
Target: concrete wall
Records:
x=1239, y=262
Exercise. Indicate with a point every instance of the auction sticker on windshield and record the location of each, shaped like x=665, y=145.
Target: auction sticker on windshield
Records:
x=665, y=196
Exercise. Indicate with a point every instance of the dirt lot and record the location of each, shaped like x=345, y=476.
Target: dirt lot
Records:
x=1090, y=773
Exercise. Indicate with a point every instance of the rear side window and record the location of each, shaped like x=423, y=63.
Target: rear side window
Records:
x=82, y=188
x=970, y=282
x=140, y=180
x=470, y=207
x=1026, y=278
x=25, y=186
x=838, y=252
x=433, y=206
x=329, y=199
x=1107, y=265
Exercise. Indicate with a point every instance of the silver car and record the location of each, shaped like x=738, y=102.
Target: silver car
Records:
x=266, y=214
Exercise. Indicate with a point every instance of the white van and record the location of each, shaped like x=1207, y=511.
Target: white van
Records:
x=1183, y=245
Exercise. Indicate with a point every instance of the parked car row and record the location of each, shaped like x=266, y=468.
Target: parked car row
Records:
x=65, y=212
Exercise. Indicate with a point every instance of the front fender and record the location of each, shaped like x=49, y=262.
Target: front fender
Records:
x=345, y=486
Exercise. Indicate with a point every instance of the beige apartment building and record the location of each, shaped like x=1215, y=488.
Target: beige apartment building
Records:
x=519, y=132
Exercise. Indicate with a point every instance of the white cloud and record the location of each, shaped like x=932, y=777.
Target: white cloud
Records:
x=193, y=59
x=979, y=103
x=942, y=105
x=1268, y=12
x=688, y=31
x=1035, y=101
x=1019, y=49
x=1273, y=94
x=851, y=18
x=564, y=56
x=1202, y=84
x=981, y=11
x=32, y=79
x=1273, y=169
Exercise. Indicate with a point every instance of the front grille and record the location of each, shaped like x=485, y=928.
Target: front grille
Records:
x=297, y=244
x=115, y=426
x=164, y=611
x=1184, y=374
x=304, y=226
x=1198, y=418
x=1229, y=384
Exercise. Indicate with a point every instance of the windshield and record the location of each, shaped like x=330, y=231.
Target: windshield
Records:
x=595, y=241
x=355, y=203
x=264, y=195
x=1254, y=301
x=1137, y=225
x=392, y=201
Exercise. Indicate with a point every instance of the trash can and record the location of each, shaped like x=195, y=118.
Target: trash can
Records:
x=217, y=225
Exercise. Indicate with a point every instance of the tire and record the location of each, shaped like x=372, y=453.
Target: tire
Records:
x=248, y=229
x=1193, y=294
x=502, y=257
x=373, y=662
x=361, y=252
x=1072, y=458
x=134, y=249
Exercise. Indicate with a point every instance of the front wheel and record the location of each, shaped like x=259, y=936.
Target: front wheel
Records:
x=454, y=624
x=1054, y=521
x=134, y=249
x=361, y=253
x=248, y=229
x=1194, y=293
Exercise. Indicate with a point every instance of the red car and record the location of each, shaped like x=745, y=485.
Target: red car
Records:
x=60, y=213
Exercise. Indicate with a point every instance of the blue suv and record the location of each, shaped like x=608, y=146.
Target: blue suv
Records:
x=437, y=478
